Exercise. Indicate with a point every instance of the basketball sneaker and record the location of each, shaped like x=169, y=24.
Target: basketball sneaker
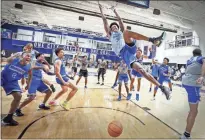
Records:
x=98, y=82
x=18, y=113
x=64, y=105
x=42, y=106
x=166, y=91
x=184, y=137
x=119, y=98
x=102, y=84
x=129, y=96
x=137, y=96
x=158, y=40
x=52, y=103
x=9, y=122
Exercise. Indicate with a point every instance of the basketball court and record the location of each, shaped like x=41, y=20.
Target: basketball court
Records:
x=91, y=110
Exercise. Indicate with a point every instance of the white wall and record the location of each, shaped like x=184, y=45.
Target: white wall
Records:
x=154, y=33
x=200, y=30
x=179, y=55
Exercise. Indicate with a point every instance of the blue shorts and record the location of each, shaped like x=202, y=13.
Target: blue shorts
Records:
x=9, y=87
x=123, y=78
x=128, y=54
x=193, y=94
x=65, y=78
x=37, y=85
x=135, y=74
x=162, y=80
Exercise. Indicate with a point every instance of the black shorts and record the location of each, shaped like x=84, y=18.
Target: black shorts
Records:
x=156, y=78
x=83, y=73
x=74, y=69
x=102, y=70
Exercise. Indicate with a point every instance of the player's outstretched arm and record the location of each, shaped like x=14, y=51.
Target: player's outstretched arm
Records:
x=11, y=58
x=106, y=26
x=122, y=27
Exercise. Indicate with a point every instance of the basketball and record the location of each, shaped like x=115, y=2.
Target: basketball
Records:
x=115, y=129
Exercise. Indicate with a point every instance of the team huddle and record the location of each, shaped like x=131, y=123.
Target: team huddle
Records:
x=28, y=66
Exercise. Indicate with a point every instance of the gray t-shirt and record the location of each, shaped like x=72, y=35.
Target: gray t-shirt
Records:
x=103, y=64
x=193, y=71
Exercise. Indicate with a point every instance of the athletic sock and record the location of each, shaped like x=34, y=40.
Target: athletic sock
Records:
x=186, y=134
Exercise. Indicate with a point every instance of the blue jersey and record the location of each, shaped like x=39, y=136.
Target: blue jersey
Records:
x=38, y=72
x=62, y=68
x=155, y=70
x=15, y=71
x=163, y=69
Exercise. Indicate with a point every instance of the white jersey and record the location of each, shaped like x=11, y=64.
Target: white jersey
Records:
x=117, y=41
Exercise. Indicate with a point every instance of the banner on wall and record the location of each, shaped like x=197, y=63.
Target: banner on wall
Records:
x=48, y=47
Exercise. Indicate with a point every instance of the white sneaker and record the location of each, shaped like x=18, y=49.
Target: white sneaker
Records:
x=153, y=99
x=184, y=137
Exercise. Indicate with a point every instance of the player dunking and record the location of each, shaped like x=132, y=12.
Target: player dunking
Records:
x=62, y=79
x=37, y=84
x=124, y=44
x=14, y=71
x=192, y=82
